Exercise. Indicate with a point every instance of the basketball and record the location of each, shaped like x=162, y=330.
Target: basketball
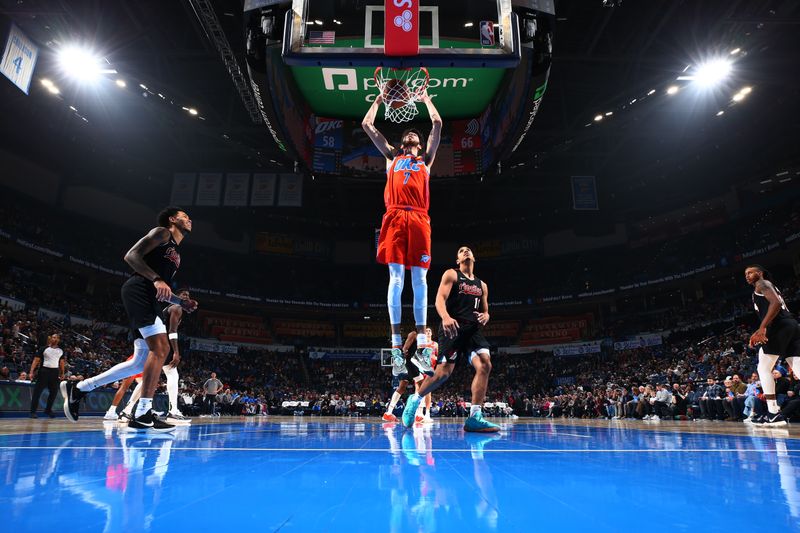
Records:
x=396, y=94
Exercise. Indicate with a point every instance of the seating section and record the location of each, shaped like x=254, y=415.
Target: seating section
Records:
x=235, y=328
x=284, y=327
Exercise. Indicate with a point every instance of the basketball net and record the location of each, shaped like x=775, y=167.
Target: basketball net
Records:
x=401, y=90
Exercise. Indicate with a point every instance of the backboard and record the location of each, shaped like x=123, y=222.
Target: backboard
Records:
x=447, y=33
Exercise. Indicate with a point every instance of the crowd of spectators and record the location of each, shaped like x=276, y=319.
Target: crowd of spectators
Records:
x=700, y=374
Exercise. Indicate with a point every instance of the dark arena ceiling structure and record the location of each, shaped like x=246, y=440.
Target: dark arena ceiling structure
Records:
x=608, y=110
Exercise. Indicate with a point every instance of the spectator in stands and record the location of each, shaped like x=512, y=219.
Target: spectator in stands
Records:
x=752, y=408
x=679, y=395
x=782, y=385
x=711, y=400
x=5, y=374
x=22, y=378
x=662, y=403
x=734, y=399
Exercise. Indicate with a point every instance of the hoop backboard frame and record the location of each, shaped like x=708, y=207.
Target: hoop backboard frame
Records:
x=506, y=55
x=386, y=357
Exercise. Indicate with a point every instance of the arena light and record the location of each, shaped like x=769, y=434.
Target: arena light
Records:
x=82, y=64
x=121, y=84
x=651, y=92
x=735, y=51
x=609, y=113
x=53, y=89
x=468, y=25
x=47, y=83
x=720, y=113
x=672, y=89
x=192, y=111
x=711, y=73
x=598, y=118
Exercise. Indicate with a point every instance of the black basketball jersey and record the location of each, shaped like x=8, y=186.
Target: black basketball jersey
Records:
x=164, y=259
x=465, y=298
x=761, y=305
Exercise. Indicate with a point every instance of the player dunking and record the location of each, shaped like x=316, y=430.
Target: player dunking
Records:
x=405, y=238
x=155, y=259
x=463, y=305
x=777, y=336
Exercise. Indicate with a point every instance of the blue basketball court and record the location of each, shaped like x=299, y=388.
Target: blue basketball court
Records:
x=360, y=475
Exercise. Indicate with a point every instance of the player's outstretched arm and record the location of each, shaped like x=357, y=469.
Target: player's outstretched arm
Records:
x=436, y=131
x=377, y=137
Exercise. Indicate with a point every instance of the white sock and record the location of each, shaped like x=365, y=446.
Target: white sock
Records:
x=172, y=388
x=144, y=405
x=120, y=371
x=419, y=410
x=422, y=340
x=474, y=409
x=112, y=409
x=772, y=405
x=135, y=395
x=397, y=340
x=393, y=403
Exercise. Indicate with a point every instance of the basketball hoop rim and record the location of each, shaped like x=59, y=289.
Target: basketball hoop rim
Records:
x=416, y=93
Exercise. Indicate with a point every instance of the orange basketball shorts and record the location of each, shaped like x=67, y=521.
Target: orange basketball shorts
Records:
x=405, y=238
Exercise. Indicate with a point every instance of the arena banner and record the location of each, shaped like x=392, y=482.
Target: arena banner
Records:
x=583, y=348
x=183, y=188
x=292, y=245
x=209, y=188
x=584, y=193
x=212, y=345
x=230, y=328
x=555, y=330
x=19, y=58
x=15, y=397
x=11, y=303
x=639, y=341
x=290, y=191
x=263, y=192
x=237, y=187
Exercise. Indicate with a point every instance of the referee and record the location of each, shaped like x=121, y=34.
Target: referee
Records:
x=52, y=372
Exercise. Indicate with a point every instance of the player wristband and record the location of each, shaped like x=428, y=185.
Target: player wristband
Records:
x=173, y=336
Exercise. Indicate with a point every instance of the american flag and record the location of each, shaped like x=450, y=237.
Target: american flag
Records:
x=321, y=37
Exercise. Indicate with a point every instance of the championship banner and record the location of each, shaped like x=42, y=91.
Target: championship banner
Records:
x=19, y=59
x=183, y=189
x=401, y=28
x=290, y=193
x=263, y=190
x=236, y=189
x=209, y=188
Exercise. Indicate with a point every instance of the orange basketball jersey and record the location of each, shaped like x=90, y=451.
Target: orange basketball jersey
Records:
x=407, y=184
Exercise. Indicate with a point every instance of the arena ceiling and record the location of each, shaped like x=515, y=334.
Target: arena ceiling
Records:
x=660, y=150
